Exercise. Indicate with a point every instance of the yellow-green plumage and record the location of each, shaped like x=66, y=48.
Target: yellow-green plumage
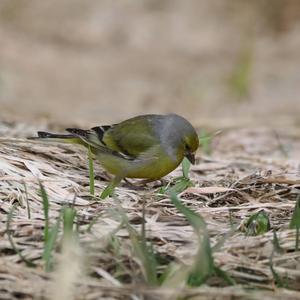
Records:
x=154, y=164
x=147, y=146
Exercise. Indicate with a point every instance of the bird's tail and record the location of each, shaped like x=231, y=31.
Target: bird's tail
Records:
x=66, y=138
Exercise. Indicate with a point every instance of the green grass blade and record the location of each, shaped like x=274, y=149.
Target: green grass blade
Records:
x=258, y=223
x=220, y=273
x=180, y=185
x=203, y=265
x=185, y=168
x=194, y=219
x=174, y=275
x=46, y=211
x=69, y=214
x=276, y=248
x=28, y=262
x=50, y=235
x=276, y=245
x=295, y=221
x=143, y=250
x=278, y=281
x=91, y=171
x=145, y=254
x=297, y=239
x=108, y=191
x=50, y=245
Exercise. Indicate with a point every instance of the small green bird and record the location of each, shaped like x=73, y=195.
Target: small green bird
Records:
x=146, y=146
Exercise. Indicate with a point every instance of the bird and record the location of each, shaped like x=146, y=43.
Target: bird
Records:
x=146, y=146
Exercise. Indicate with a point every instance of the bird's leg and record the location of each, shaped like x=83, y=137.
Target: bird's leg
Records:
x=109, y=190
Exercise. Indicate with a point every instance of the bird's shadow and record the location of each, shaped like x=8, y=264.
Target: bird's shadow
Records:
x=134, y=184
x=139, y=185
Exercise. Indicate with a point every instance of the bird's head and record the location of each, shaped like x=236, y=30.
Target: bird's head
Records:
x=191, y=144
x=180, y=136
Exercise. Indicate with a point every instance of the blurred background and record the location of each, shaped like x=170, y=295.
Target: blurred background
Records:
x=97, y=62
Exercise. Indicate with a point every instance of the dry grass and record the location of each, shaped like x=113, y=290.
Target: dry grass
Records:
x=257, y=169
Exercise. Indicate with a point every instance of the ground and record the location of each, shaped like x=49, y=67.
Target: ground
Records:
x=241, y=172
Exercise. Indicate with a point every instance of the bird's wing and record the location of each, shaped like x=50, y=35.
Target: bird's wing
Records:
x=132, y=137
x=128, y=139
x=92, y=138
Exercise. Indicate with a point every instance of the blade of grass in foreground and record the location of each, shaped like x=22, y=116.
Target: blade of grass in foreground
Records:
x=91, y=171
x=69, y=214
x=28, y=262
x=276, y=245
x=194, y=219
x=203, y=266
x=185, y=168
x=295, y=221
x=258, y=223
x=276, y=249
x=181, y=183
x=142, y=250
x=50, y=236
x=46, y=211
x=50, y=244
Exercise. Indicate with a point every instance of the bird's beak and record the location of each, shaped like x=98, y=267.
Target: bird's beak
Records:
x=191, y=157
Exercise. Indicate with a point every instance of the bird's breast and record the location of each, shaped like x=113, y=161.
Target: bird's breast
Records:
x=155, y=168
x=152, y=165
